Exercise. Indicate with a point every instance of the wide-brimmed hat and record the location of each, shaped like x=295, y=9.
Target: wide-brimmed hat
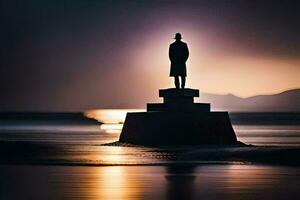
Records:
x=177, y=36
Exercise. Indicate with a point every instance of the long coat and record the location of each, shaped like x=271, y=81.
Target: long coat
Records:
x=178, y=54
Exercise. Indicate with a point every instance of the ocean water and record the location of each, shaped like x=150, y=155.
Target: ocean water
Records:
x=69, y=161
x=264, y=129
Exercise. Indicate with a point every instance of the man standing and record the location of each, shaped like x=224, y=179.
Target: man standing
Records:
x=178, y=54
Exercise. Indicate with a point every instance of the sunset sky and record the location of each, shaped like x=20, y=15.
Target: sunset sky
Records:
x=74, y=55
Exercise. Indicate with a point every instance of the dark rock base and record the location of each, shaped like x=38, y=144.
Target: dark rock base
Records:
x=178, y=128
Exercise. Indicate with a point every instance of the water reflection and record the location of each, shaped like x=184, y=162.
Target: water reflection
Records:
x=150, y=182
x=110, y=116
x=112, y=119
x=111, y=128
x=114, y=184
x=116, y=156
x=180, y=182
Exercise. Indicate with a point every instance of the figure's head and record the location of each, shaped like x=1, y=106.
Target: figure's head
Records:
x=177, y=36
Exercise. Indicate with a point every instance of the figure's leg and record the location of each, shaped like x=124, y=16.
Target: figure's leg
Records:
x=182, y=82
x=176, y=78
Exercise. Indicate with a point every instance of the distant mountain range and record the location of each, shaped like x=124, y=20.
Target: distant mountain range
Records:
x=288, y=101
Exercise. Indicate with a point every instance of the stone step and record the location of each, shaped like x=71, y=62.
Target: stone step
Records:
x=173, y=93
x=193, y=107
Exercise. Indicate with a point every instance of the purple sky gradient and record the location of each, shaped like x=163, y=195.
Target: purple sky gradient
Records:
x=76, y=55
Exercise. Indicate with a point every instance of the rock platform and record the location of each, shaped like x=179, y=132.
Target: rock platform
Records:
x=178, y=121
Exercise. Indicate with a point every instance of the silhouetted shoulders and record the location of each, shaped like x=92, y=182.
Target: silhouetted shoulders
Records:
x=172, y=44
x=180, y=43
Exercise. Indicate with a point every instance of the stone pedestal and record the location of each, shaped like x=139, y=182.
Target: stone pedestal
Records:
x=178, y=100
x=178, y=121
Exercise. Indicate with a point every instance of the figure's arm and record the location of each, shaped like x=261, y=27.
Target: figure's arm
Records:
x=187, y=53
x=171, y=53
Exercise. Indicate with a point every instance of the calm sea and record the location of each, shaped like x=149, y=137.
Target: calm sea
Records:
x=89, y=170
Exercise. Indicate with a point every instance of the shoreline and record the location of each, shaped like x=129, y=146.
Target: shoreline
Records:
x=30, y=153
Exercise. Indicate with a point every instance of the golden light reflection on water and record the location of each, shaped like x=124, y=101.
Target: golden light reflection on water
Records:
x=115, y=156
x=111, y=128
x=116, y=185
x=112, y=119
x=110, y=116
x=179, y=182
x=111, y=183
x=125, y=183
x=151, y=182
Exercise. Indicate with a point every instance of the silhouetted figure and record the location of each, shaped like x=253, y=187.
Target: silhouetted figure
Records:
x=178, y=54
